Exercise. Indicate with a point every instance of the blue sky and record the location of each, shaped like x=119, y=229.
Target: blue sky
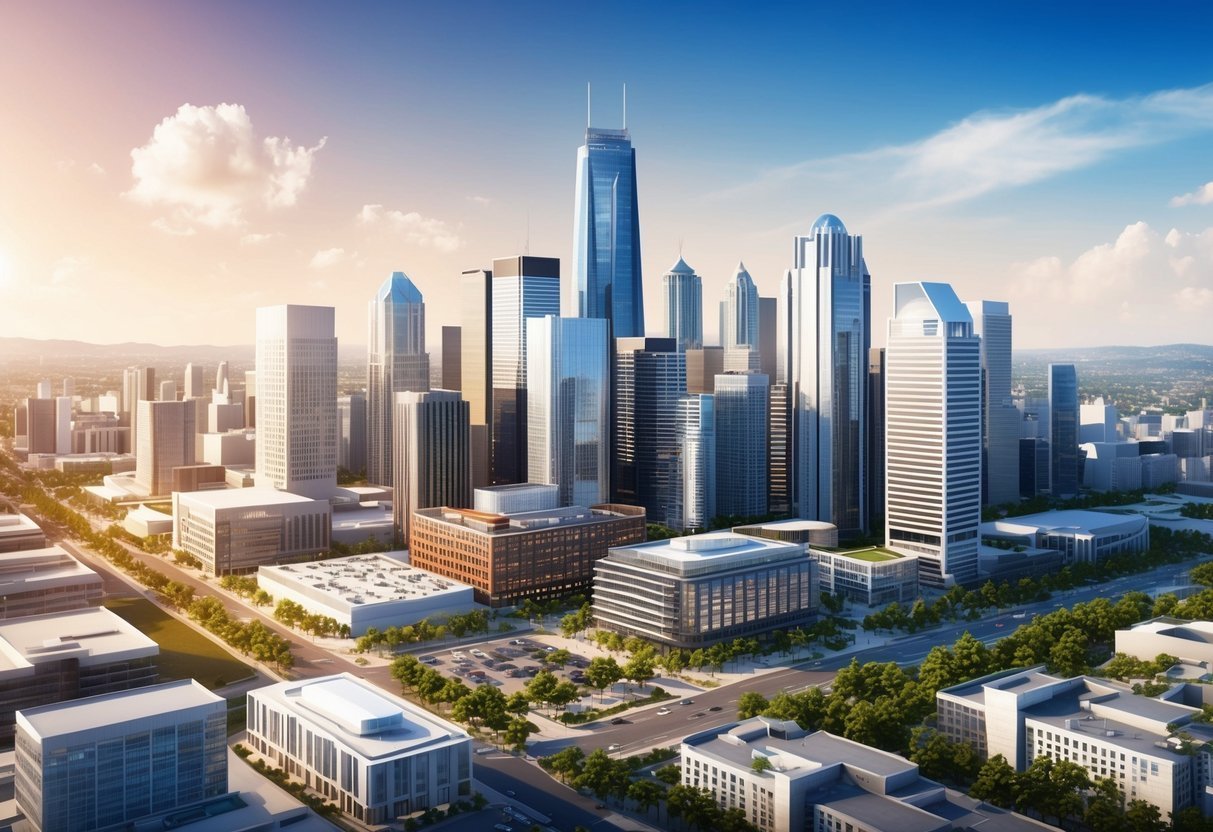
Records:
x=1052, y=155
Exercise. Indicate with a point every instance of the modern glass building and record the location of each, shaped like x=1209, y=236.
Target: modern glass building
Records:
x=741, y=444
x=683, y=291
x=739, y=312
x=476, y=364
x=606, y=235
x=824, y=340
x=694, y=479
x=1064, y=461
x=1001, y=420
x=523, y=287
x=933, y=433
x=396, y=361
x=779, y=435
x=569, y=407
x=351, y=452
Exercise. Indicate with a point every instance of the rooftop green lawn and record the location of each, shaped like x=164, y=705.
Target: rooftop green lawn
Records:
x=874, y=555
x=185, y=653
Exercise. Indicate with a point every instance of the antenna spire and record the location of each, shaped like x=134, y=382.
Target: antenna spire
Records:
x=526, y=249
x=587, y=105
x=625, y=106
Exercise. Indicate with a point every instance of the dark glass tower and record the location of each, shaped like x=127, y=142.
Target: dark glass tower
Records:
x=1064, y=461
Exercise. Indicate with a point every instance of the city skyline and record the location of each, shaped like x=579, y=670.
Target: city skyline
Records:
x=1061, y=171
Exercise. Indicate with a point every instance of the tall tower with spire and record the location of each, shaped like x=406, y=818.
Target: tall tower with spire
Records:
x=739, y=312
x=683, y=292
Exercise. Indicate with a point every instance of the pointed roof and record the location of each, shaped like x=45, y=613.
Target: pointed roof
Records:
x=681, y=267
x=741, y=275
x=399, y=289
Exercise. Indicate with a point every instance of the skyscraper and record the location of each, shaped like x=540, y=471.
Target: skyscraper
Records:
x=768, y=314
x=396, y=361
x=1064, y=460
x=824, y=340
x=695, y=475
x=193, y=381
x=433, y=464
x=742, y=400
x=476, y=366
x=351, y=448
x=649, y=378
x=523, y=287
x=933, y=433
x=1000, y=418
x=739, y=312
x=452, y=358
x=166, y=441
x=297, y=400
x=606, y=235
x=569, y=407
x=683, y=292
x=875, y=444
x=779, y=435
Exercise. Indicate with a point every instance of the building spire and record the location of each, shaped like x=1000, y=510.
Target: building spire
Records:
x=587, y=105
x=625, y=105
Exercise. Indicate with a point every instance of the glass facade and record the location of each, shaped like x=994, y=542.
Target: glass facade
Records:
x=606, y=235
x=683, y=292
x=1064, y=461
x=649, y=379
x=739, y=324
x=694, y=504
x=741, y=444
x=396, y=361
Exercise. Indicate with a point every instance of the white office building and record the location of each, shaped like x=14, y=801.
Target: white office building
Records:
x=377, y=756
x=166, y=434
x=297, y=400
x=37, y=581
x=433, y=464
x=933, y=433
x=694, y=503
x=683, y=293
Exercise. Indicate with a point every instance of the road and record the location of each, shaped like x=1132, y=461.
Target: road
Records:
x=533, y=787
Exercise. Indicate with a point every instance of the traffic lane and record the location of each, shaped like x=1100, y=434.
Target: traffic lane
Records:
x=531, y=786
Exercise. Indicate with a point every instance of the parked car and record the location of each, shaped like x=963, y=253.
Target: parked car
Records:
x=477, y=652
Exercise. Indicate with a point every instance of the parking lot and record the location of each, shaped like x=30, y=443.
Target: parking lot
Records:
x=509, y=663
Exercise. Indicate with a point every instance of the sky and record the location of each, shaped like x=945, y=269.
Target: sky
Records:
x=167, y=167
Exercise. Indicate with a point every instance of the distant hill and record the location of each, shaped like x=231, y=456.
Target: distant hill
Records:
x=25, y=349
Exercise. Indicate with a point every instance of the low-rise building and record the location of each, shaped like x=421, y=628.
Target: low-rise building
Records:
x=239, y=530
x=377, y=756
x=815, y=533
x=364, y=591
x=1080, y=536
x=698, y=590
x=509, y=557
x=821, y=782
x=1189, y=641
x=38, y=581
x=107, y=761
x=874, y=576
x=18, y=532
x=145, y=521
x=66, y=655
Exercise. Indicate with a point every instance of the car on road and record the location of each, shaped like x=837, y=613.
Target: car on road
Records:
x=1000, y=624
x=687, y=702
x=663, y=711
x=619, y=721
x=503, y=827
x=698, y=714
x=714, y=708
x=520, y=642
x=614, y=746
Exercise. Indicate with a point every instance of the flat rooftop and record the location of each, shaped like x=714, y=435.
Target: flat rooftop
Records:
x=94, y=635
x=1018, y=680
x=871, y=554
x=242, y=497
x=17, y=525
x=33, y=570
x=1073, y=520
x=876, y=811
x=64, y=718
x=1199, y=631
x=364, y=579
x=527, y=521
x=714, y=551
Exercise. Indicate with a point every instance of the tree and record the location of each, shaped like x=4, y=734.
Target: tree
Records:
x=602, y=673
x=646, y=794
x=542, y=687
x=760, y=764
x=603, y=776
x=734, y=819
x=1105, y=807
x=640, y=668
x=670, y=775
x=832, y=604
x=1053, y=788
x=1068, y=656
x=751, y=704
x=564, y=693
x=566, y=763
x=1144, y=817
x=996, y=783
x=558, y=657
x=517, y=732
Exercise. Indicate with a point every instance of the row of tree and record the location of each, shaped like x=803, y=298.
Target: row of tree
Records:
x=296, y=615
x=458, y=625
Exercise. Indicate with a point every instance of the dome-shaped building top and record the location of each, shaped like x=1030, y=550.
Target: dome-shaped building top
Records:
x=828, y=222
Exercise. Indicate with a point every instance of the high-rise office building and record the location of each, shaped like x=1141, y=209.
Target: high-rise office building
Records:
x=297, y=400
x=1033, y=466
x=569, y=407
x=823, y=340
x=1000, y=418
x=433, y=464
x=875, y=443
x=452, y=358
x=649, y=378
x=523, y=287
x=41, y=425
x=606, y=235
x=694, y=481
x=703, y=365
x=1064, y=460
x=476, y=366
x=351, y=448
x=63, y=424
x=742, y=402
x=194, y=381
x=138, y=384
x=779, y=437
x=739, y=312
x=683, y=292
x=933, y=433
x=166, y=441
x=768, y=314
x=250, y=398
x=168, y=391
x=396, y=362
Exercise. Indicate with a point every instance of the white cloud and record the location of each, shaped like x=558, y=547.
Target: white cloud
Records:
x=254, y=239
x=327, y=257
x=206, y=165
x=165, y=226
x=96, y=169
x=419, y=230
x=1201, y=196
x=1195, y=295
x=480, y=200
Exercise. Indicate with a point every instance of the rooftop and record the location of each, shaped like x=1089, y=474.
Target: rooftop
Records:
x=1076, y=520
x=1201, y=631
x=828, y=222
x=38, y=569
x=714, y=551
x=16, y=524
x=872, y=554
x=681, y=267
x=94, y=635
x=1018, y=680
x=64, y=718
x=528, y=521
x=364, y=579
x=243, y=497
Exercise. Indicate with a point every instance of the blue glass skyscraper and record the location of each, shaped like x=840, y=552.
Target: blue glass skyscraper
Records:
x=1064, y=461
x=606, y=235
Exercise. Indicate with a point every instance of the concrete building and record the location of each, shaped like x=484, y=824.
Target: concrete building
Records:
x=694, y=503
x=1081, y=536
x=234, y=449
x=1098, y=422
x=516, y=499
x=933, y=433
x=509, y=557
x=107, y=761
x=66, y=655
x=682, y=290
x=814, y=533
x=145, y=521
x=19, y=533
x=743, y=476
x=821, y=782
x=1111, y=466
x=1189, y=641
x=40, y=581
x=166, y=441
x=194, y=385
x=375, y=755
x=1000, y=417
x=239, y=530
x=41, y=426
x=396, y=362
x=351, y=448
x=297, y=400
x=702, y=367
x=696, y=591
x=433, y=465
x=364, y=591
x=569, y=407
x=476, y=365
x=1158, y=470
x=871, y=576
x=63, y=424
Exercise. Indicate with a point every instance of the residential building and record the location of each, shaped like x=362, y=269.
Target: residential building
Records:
x=523, y=288
x=452, y=358
x=396, y=362
x=683, y=293
x=742, y=400
x=1065, y=464
x=824, y=340
x=66, y=655
x=509, y=557
x=569, y=407
x=238, y=530
x=364, y=591
x=695, y=591
x=40, y=581
x=297, y=400
x=873, y=576
x=1000, y=425
x=694, y=504
x=107, y=761
x=433, y=465
x=1081, y=536
x=649, y=378
x=166, y=441
x=351, y=450
x=739, y=312
x=375, y=755
x=476, y=366
x=606, y=235
x=933, y=433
